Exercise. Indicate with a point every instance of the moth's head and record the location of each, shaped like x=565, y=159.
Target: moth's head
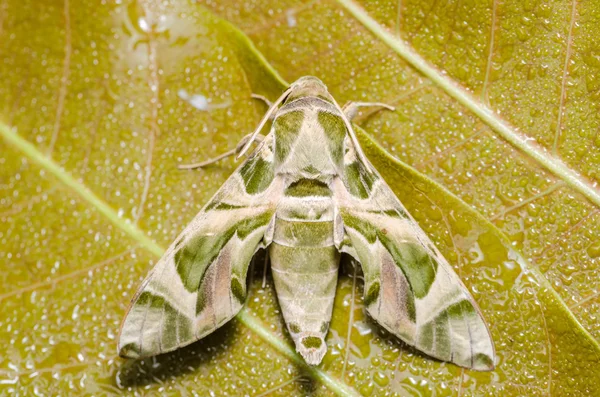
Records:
x=308, y=86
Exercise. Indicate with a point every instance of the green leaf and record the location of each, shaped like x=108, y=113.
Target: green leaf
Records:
x=93, y=126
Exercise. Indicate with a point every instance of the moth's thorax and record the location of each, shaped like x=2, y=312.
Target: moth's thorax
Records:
x=309, y=137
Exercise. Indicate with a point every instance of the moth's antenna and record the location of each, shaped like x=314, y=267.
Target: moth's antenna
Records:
x=357, y=147
x=264, y=121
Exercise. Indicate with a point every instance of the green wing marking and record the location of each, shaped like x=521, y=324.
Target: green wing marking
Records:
x=410, y=288
x=200, y=282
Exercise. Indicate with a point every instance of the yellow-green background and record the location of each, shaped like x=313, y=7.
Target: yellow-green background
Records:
x=497, y=112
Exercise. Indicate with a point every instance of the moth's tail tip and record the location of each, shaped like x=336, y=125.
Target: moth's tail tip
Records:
x=313, y=356
x=312, y=349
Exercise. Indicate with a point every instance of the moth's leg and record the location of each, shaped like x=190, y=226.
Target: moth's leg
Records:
x=351, y=108
x=264, y=280
x=259, y=138
x=262, y=98
x=266, y=101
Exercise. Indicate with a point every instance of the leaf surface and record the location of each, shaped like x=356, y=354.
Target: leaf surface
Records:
x=94, y=121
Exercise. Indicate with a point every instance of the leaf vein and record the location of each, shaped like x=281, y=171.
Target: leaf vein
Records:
x=565, y=75
x=350, y=321
x=488, y=68
x=31, y=152
x=62, y=92
x=522, y=142
x=528, y=200
x=549, y=344
x=53, y=282
x=154, y=129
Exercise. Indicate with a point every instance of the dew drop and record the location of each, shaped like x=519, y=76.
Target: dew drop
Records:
x=362, y=328
x=594, y=250
x=143, y=24
x=291, y=19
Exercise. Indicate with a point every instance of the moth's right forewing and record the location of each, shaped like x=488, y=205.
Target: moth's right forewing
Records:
x=410, y=288
x=200, y=282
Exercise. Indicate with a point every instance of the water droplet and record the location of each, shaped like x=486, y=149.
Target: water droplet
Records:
x=75, y=314
x=143, y=24
x=594, y=250
x=291, y=18
x=200, y=102
x=367, y=390
x=362, y=328
x=381, y=379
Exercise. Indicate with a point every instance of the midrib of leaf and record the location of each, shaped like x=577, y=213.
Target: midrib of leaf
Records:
x=48, y=164
x=487, y=115
x=31, y=152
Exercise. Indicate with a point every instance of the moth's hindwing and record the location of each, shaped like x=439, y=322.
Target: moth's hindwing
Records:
x=410, y=289
x=200, y=282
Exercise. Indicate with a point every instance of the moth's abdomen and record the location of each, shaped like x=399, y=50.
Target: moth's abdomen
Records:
x=304, y=263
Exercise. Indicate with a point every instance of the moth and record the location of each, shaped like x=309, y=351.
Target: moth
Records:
x=307, y=194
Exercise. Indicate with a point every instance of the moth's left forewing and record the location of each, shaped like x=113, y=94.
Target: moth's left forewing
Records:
x=410, y=288
x=200, y=282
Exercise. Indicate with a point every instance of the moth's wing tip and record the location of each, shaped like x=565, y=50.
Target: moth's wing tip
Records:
x=487, y=367
x=482, y=362
x=130, y=350
x=483, y=368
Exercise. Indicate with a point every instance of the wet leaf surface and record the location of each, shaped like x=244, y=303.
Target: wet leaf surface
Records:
x=99, y=103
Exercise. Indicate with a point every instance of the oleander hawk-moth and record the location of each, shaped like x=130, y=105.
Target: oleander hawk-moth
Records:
x=307, y=194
